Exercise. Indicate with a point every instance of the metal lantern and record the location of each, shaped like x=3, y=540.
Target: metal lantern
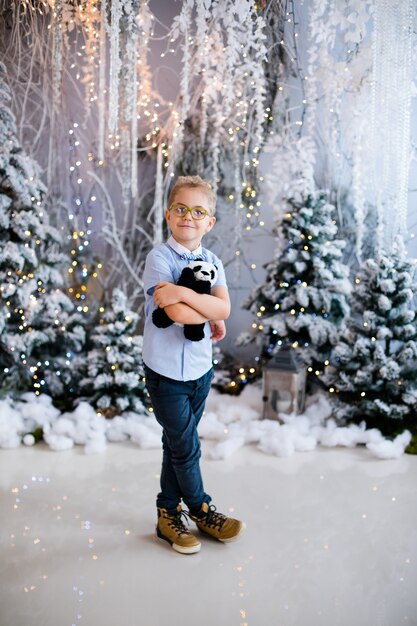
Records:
x=283, y=385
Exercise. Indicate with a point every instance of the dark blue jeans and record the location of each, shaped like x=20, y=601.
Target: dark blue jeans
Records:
x=178, y=408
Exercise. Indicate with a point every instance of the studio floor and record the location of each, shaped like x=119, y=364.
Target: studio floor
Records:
x=331, y=540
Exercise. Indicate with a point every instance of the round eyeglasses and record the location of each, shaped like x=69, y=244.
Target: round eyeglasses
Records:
x=196, y=212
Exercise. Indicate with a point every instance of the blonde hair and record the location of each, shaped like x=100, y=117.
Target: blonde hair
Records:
x=193, y=182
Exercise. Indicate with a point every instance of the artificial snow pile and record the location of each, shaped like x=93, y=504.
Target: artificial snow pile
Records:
x=230, y=421
x=235, y=422
x=19, y=422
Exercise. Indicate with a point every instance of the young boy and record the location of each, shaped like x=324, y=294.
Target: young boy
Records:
x=179, y=371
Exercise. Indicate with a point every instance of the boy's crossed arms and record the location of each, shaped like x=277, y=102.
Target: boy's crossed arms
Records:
x=185, y=306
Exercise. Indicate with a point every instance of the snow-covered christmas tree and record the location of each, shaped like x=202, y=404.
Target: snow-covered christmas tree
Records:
x=303, y=301
x=114, y=376
x=39, y=331
x=375, y=363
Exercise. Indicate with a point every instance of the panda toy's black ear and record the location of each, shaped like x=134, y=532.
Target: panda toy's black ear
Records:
x=187, y=278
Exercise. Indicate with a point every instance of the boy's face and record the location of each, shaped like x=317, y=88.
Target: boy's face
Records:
x=186, y=230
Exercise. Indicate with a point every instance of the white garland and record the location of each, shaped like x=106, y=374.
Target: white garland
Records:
x=200, y=65
x=391, y=99
x=337, y=98
x=223, y=75
x=358, y=194
x=131, y=10
x=259, y=82
x=102, y=81
x=115, y=65
x=157, y=209
x=237, y=210
x=315, y=29
x=89, y=14
x=182, y=27
x=292, y=171
x=145, y=21
x=56, y=86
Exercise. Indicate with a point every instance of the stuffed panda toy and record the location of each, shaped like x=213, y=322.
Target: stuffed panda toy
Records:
x=199, y=276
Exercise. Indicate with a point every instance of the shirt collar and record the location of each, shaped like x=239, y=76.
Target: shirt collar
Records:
x=182, y=249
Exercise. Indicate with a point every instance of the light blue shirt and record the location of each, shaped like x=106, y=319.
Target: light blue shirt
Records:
x=166, y=350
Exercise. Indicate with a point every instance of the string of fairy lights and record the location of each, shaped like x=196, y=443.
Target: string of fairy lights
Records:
x=89, y=16
x=78, y=271
x=150, y=112
x=29, y=239
x=231, y=376
x=150, y=105
x=80, y=217
x=308, y=245
x=247, y=196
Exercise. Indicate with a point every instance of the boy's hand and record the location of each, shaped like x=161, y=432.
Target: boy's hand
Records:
x=218, y=330
x=166, y=294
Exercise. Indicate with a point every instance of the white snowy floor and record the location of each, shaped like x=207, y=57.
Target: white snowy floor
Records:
x=331, y=541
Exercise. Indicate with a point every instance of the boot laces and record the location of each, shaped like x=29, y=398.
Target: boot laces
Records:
x=176, y=522
x=214, y=518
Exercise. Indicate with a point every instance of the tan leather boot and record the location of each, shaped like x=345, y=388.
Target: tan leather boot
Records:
x=171, y=528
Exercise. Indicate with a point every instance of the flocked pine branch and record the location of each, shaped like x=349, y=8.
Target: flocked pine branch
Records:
x=39, y=328
x=304, y=299
x=374, y=375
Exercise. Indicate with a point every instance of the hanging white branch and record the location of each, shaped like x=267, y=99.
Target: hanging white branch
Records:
x=157, y=209
x=102, y=81
x=259, y=83
x=111, y=233
x=56, y=86
x=223, y=70
x=182, y=28
x=316, y=35
x=237, y=210
x=129, y=103
x=115, y=65
x=199, y=65
x=358, y=196
x=145, y=23
x=391, y=99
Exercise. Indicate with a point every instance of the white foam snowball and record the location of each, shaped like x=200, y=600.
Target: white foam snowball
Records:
x=279, y=446
x=333, y=435
x=11, y=426
x=145, y=437
x=63, y=426
x=97, y=443
x=260, y=429
x=287, y=440
x=387, y=449
x=210, y=427
x=226, y=448
x=58, y=443
x=36, y=411
x=144, y=431
x=29, y=440
x=318, y=408
x=117, y=429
